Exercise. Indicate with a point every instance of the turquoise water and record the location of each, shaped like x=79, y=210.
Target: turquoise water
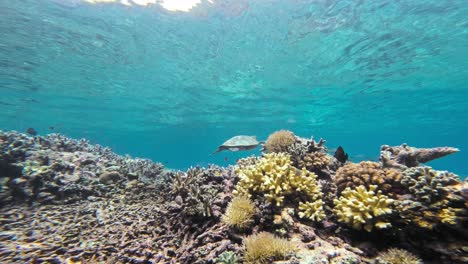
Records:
x=172, y=86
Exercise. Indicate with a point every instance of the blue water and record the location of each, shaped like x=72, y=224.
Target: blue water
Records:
x=172, y=86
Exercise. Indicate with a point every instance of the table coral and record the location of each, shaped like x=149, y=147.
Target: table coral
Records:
x=275, y=177
x=362, y=208
x=404, y=156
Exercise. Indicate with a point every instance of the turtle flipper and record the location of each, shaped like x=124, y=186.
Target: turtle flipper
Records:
x=218, y=150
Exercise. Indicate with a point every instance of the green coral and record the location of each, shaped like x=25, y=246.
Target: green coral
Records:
x=274, y=176
x=362, y=208
x=228, y=257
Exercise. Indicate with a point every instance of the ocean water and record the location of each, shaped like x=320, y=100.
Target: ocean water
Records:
x=173, y=85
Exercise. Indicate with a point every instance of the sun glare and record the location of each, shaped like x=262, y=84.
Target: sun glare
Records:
x=171, y=5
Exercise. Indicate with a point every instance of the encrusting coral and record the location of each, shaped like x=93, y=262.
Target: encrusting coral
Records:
x=361, y=208
x=239, y=212
x=264, y=247
x=274, y=176
x=279, y=141
x=398, y=256
x=365, y=173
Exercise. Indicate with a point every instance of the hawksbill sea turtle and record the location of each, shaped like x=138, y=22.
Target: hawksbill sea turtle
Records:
x=239, y=143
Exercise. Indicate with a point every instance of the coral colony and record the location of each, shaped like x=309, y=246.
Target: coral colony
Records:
x=67, y=201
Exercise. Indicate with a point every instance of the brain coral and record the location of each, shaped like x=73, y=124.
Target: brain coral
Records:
x=366, y=173
x=361, y=208
x=274, y=177
x=279, y=141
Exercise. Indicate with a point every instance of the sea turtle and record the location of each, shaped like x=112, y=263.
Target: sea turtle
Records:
x=239, y=143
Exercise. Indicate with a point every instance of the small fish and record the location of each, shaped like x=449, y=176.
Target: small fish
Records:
x=31, y=131
x=226, y=159
x=51, y=128
x=340, y=155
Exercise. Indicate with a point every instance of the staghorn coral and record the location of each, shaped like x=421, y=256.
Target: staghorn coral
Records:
x=275, y=177
x=279, y=141
x=404, y=156
x=239, y=212
x=194, y=191
x=365, y=173
x=398, y=256
x=428, y=185
x=361, y=208
x=265, y=247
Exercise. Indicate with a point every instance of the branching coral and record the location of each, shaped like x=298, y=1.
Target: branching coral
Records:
x=239, y=212
x=426, y=184
x=363, y=208
x=312, y=210
x=279, y=141
x=398, y=256
x=194, y=193
x=275, y=177
x=315, y=161
x=365, y=173
x=265, y=247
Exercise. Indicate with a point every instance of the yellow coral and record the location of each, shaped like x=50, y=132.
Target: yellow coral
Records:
x=279, y=141
x=448, y=216
x=275, y=177
x=239, y=212
x=264, y=247
x=312, y=210
x=361, y=208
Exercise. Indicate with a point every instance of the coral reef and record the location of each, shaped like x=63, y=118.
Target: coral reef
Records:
x=404, y=156
x=68, y=201
x=279, y=141
x=56, y=169
x=265, y=247
x=365, y=173
x=361, y=208
x=398, y=256
x=239, y=212
x=275, y=178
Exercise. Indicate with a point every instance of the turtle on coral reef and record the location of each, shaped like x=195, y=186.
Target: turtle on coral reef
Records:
x=239, y=143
